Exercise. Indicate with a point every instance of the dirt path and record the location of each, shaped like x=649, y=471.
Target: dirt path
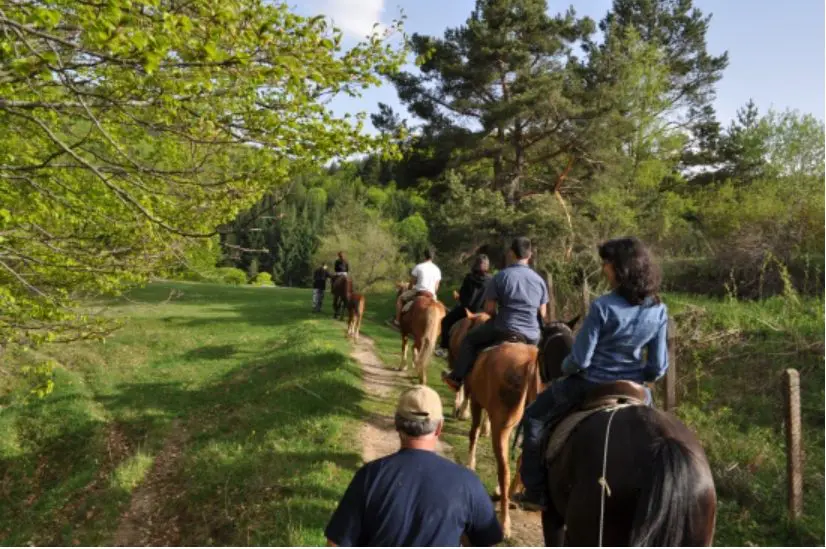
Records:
x=379, y=438
x=144, y=523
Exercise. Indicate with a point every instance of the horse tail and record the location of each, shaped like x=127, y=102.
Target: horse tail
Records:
x=667, y=498
x=431, y=334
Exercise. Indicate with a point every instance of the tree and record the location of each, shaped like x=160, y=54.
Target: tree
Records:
x=130, y=125
x=678, y=30
x=497, y=85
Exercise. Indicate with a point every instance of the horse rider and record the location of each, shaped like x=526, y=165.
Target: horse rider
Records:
x=471, y=298
x=520, y=294
x=415, y=497
x=607, y=348
x=424, y=278
x=341, y=267
x=320, y=277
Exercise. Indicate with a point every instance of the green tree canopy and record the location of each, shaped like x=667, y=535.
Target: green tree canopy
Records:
x=132, y=124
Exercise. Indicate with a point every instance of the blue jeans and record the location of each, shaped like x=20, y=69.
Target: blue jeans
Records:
x=551, y=405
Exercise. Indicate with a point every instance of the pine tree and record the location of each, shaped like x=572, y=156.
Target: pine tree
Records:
x=500, y=84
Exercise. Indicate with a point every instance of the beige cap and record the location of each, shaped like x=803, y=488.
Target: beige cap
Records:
x=420, y=403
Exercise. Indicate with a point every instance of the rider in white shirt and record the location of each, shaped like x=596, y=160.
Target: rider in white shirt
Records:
x=424, y=277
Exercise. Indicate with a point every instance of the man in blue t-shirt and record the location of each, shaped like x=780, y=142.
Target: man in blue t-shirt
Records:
x=415, y=497
x=518, y=297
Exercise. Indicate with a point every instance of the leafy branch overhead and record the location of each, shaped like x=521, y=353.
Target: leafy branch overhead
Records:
x=131, y=124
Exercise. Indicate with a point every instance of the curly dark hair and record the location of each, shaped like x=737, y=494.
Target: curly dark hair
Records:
x=638, y=276
x=481, y=264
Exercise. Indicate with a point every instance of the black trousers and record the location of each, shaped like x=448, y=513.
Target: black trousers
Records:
x=455, y=315
x=476, y=340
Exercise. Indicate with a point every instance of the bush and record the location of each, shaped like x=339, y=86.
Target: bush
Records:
x=231, y=275
x=262, y=279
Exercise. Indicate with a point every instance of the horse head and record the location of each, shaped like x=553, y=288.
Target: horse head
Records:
x=555, y=344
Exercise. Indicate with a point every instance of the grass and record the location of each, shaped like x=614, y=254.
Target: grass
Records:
x=251, y=398
x=239, y=409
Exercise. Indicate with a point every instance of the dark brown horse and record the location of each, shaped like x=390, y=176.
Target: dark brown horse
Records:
x=342, y=289
x=659, y=490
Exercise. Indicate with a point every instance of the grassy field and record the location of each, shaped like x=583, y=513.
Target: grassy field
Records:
x=237, y=409
x=250, y=398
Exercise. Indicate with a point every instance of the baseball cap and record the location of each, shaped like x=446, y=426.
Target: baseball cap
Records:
x=420, y=403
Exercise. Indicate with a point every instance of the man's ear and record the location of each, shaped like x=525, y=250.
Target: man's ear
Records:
x=438, y=430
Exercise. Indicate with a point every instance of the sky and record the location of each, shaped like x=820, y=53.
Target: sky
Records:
x=776, y=49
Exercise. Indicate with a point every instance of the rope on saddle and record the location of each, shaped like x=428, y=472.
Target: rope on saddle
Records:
x=603, y=481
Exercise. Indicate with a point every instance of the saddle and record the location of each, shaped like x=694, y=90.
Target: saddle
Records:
x=511, y=337
x=604, y=398
x=421, y=293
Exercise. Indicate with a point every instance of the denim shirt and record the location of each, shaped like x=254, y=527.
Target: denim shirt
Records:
x=609, y=345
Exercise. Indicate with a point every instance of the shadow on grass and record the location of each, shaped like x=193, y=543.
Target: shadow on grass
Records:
x=268, y=452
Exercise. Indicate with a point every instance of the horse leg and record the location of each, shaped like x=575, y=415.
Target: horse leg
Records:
x=553, y=528
x=485, y=424
x=403, y=364
x=461, y=404
x=473, y=435
x=417, y=352
x=500, y=449
x=357, y=329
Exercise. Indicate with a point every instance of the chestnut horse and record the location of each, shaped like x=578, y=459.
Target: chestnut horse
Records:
x=342, y=288
x=423, y=321
x=355, y=312
x=659, y=490
x=503, y=381
x=461, y=404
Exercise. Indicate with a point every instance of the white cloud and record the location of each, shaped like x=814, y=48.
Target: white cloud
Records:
x=354, y=17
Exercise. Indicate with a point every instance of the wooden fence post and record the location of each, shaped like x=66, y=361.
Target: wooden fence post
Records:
x=791, y=386
x=671, y=374
x=586, y=295
x=549, y=280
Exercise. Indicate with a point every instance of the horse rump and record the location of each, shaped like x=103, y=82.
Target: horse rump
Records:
x=355, y=313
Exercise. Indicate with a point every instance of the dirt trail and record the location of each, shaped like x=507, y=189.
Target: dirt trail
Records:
x=379, y=438
x=144, y=523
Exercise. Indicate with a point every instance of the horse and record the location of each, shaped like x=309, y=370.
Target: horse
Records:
x=504, y=379
x=461, y=403
x=342, y=289
x=355, y=313
x=644, y=482
x=423, y=321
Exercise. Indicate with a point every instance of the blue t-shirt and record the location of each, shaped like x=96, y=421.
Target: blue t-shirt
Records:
x=519, y=292
x=609, y=345
x=414, y=498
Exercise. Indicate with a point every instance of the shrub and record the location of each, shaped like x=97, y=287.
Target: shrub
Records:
x=262, y=279
x=231, y=275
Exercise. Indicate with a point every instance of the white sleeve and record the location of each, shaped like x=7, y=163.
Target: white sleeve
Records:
x=438, y=274
x=415, y=271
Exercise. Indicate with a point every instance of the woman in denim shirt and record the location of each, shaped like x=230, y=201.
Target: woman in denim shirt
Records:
x=608, y=347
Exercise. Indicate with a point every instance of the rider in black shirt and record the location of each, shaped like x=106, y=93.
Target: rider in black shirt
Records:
x=471, y=297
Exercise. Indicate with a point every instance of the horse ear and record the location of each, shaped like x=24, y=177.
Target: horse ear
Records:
x=572, y=323
x=468, y=313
